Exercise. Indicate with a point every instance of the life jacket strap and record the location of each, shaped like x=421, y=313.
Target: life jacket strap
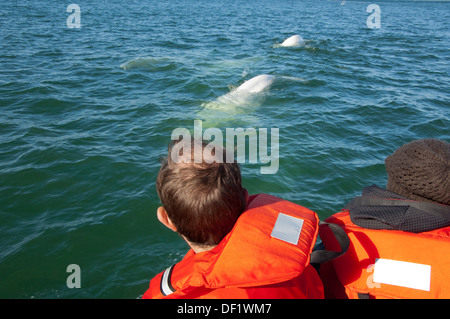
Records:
x=166, y=286
x=318, y=257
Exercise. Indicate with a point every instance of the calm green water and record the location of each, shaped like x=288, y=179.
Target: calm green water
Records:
x=80, y=137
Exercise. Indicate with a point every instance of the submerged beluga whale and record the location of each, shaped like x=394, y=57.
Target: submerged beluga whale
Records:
x=257, y=84
x=149, y=63
x=248, y=94
x=238, y=105
x=243, y=100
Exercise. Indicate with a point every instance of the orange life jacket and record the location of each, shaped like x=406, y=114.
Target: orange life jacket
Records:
x=382, y=263
x=266, y=255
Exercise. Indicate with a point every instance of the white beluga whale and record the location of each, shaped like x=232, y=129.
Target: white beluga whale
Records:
x=140, y=62
x=248, y=94
x=257, y=84
x=240, y=103
x=149, y=63
x=294, y=41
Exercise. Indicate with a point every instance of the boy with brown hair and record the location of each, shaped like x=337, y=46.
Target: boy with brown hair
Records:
x=241, y=246
x=201, y=201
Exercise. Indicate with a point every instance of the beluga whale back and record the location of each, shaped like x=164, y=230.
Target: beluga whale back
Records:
x=256, y=84
x=241, y=102
x=293, y=41
x=249, y=94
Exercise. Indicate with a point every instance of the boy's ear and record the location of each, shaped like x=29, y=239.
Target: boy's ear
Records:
x=164, y=219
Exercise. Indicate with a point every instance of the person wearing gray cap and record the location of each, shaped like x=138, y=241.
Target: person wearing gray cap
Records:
x=420, y=171
x=399, y=236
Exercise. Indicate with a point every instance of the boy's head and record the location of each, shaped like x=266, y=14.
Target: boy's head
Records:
x=201, y=200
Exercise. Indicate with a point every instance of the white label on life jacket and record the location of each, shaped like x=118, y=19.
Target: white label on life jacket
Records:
x=402, y=273
x=287, y=228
